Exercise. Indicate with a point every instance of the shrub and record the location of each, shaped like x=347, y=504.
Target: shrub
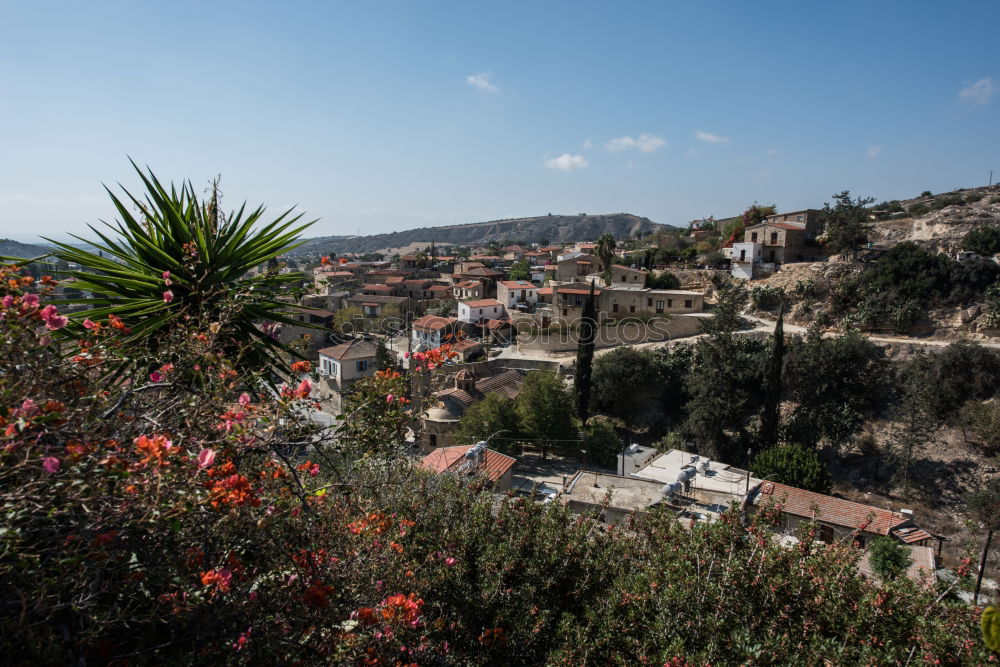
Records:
x=983, y=240
x=926, y=193
x=888, y=558
x=918, y=209
x=794, y=465
x=765, y=297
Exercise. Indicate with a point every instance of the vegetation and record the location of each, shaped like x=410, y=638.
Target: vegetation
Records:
x=888, y=558
x=662, y=280
x=606, y=250
x=545, y=408
x=494, y=415
x=845, y=224
x=585, y=357
x=520, y=270
x=180, y=258
x=794, y=465
x=984, y=241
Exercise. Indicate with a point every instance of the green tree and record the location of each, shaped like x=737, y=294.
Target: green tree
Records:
x=520, y=270
x=985, y=506
x=726, y=316
x=585, y=356
x=180, y=257
x=983, y=241
x=545, y=408
x=770, y=416
x=662, y=280
x=494, y=414
x=888, y=557
x=845, y=224
x=794, y=465
x=832, y=384
x=383, y=357
x=606, y=250
x=602, y=443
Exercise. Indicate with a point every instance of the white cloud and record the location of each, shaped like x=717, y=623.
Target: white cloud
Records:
x=874, y=151
x=979, y=92
x=772, y=151
x=692, y=153
x=587, y=143
x=482, y=82
x=566, y=162
x=710, y=138
x=647, y=143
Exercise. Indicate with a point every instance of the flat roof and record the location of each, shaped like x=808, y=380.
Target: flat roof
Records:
x=719, y=478
x=627, y=493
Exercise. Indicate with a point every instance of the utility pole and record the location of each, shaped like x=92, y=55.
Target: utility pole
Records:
x=991, y=178
x=982, y=565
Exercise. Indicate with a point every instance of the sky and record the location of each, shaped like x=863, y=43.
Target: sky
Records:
x=382, y=116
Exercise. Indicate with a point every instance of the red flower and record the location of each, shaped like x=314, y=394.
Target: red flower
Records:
x=168, y=296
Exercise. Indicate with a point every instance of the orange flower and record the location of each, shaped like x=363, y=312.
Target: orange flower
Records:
x=301, y=367
x=156, y=449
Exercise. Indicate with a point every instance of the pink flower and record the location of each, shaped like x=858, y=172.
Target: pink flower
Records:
x=44, y=340
x=206, y=458
x=155, y=376
x=8, y=301
x=168, y=296
x=389, y=398
x=449, y=561
x=244, y=399
x=29, y=300
x=53, y=320
x=27, y=410
x=304, y=389
x=89, y=324
x=166, y=279
x=50, y=464
x=406, y=355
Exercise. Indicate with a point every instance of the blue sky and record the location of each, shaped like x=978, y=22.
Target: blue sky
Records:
x=382, y=116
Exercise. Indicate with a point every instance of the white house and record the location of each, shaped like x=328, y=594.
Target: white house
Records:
x=512, y=292
x=431, y=331
x=347, y=362
x=488, y=309
x=745, y=255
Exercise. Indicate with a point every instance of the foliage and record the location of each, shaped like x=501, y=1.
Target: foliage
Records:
x=845, y=224
x=770, y=414
x=606, y=250
x=944, y=381
x=764, y=297
x=990, y=623
x=384, y=360
x=991, y=306
x=985, y=504
x=520, y=270
x=832, y=382
x=602, y=443
x=545, y=408
x=630, y=383
x=585, y=357
x=984, y=419
x=888, y=557
x=794, y=465
x=662, y=280
x=983, y=240
x=726, y=315
x=177, y=521
x=494, y=415
x=182, y=258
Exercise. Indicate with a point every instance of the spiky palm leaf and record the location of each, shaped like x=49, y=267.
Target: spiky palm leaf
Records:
x=208, y=256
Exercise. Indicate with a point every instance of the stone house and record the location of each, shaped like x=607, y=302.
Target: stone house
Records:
x=624, y=275
x=575, y=267
x=513, y=292
x=439, y=423
x=431, y=331
x=787, y=237
x=480, y=309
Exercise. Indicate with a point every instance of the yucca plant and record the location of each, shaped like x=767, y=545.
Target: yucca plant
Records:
x=178, y=261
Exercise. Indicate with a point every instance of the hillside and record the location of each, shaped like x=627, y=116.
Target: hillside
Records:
x=11, y=248
x=551, y=228
x=938, y=221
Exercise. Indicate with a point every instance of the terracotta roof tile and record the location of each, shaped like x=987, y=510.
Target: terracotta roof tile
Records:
x=828, y=509
x=482, y=303
x=452, y=459
x=354, y=349
x=433, y=323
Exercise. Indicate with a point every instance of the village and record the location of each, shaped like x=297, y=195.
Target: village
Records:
x=509, y=311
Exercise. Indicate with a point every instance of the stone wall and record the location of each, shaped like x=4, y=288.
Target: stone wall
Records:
x=678, y=326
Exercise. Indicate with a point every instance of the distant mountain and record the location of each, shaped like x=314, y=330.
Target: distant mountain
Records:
x=551, y=228
x=10, y=248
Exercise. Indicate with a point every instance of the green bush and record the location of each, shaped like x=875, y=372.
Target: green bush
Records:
x=918, y=209
x=794, y=465
x=888, y=558
x=983, y=240
x=926, y=193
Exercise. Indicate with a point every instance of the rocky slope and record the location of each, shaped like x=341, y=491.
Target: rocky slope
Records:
x=940, y=221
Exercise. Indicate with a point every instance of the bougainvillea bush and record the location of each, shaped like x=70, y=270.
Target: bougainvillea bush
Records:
x=196, y=516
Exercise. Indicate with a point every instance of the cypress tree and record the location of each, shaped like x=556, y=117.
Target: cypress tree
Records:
x=770, y=416
x=585, y=356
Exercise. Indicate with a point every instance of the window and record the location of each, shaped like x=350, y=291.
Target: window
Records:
x=774, y=237
x=564, y=312
x=614, y=308
x=433, y=441
x=362, y=365
x=494, y=309
x=631, y=309
x=687, y=303
x=826, y=533
x=743, y=255
x=753, y=237
x=800, y=218
x=649, y=303
x=670, y=303
x=659, y=306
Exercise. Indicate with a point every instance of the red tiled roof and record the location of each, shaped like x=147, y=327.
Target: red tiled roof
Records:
x=376, y=288
x=547, y=290
x=517, y=284
x=466, y=344
x=439, y=288
x=452, y=459
x=573, y=289
x=354, y=349
x=482, y=303
x=432, y=323
x=909, y=535
x=391, y=280
x=495, y=324
x=828, y=509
